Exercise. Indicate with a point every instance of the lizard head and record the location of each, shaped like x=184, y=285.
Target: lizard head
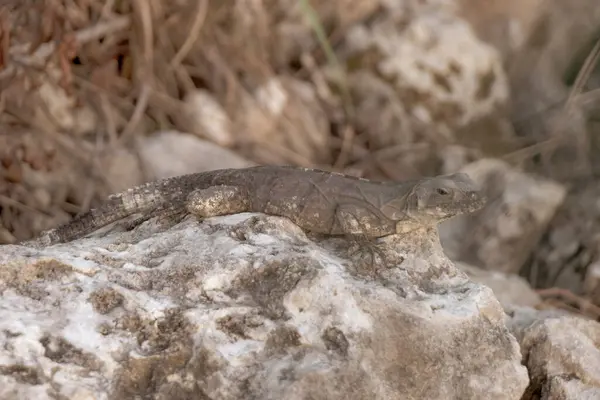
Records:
x=443, y=197
x=436, y=199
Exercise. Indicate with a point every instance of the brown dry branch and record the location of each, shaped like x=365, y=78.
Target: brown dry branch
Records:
x=565, y=299
x=18, y=54
x=574, y=103
x=193, y=34
x=4, y=38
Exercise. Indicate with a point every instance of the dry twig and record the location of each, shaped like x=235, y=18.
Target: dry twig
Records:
x=565, y=296
x=19, y=53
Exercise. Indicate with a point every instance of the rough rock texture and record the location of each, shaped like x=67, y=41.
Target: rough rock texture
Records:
x=504, y=233
x=562, y=355
x=510, y=290
x=247, y=306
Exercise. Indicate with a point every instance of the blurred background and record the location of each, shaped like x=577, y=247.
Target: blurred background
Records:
x=99, y=96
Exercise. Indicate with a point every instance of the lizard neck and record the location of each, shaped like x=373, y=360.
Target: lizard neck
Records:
x=411, y=225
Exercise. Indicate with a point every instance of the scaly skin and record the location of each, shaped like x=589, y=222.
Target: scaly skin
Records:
x=317, y=201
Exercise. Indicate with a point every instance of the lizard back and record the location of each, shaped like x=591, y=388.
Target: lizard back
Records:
x=311, y=198
x=318, y=201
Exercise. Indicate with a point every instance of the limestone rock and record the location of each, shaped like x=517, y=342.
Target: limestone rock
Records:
x=418, y=72
x=563, y=358
x=503, y=234
x=520, y=319
x=122, y=169
x=205, y=117
x=510, y=290
x=246, y=306
x=170, y=153
x=61, y=111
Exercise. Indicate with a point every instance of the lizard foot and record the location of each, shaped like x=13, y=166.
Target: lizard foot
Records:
x=367, y=255
x=371, y=258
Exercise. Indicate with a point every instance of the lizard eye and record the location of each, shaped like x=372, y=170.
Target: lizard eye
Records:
x=442, y=191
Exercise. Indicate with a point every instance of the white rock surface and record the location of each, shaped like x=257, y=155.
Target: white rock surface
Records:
x=246, y=306
x=61, y=110
x=510, y=290
x=562, y=355
x=204, y=116
x=170, y=153
x=122, y=169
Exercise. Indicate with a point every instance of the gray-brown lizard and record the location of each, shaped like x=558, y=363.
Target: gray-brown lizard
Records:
x=317, y=201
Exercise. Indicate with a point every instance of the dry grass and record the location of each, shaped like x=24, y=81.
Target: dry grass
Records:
x=558, y=298
x=576, y=103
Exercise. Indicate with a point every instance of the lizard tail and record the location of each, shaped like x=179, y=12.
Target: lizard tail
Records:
x=145, y=198
x=111, y=211
x=148, y=199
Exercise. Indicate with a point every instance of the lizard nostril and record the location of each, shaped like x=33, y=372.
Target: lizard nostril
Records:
x=475, y=195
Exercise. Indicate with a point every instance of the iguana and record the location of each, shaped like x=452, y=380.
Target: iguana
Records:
x=317, y=201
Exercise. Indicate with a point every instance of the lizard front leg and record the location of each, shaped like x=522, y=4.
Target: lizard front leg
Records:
x=217, y=200
x=360, y=231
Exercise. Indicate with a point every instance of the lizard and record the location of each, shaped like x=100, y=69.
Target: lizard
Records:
x=317, y=201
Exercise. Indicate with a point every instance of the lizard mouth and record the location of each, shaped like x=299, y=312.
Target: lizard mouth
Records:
x=477, y=203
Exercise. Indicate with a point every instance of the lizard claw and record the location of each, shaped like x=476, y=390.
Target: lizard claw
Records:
x=368, y=256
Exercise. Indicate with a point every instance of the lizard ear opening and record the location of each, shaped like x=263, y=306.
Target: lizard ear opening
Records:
x=393, y=210
x=422, y=196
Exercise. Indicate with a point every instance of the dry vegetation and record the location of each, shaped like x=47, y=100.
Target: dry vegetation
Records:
x=80, y=79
